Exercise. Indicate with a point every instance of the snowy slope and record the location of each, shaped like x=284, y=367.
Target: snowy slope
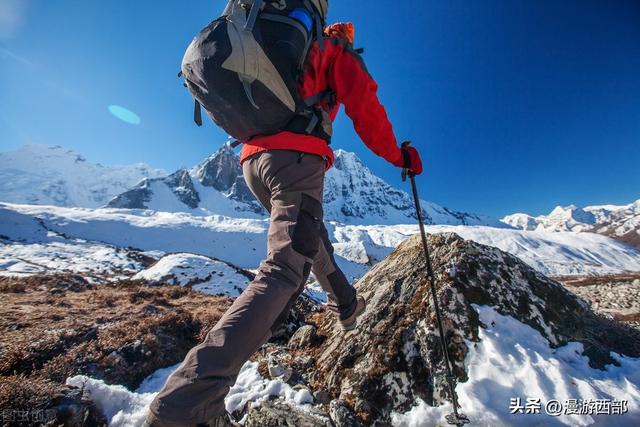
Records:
x=27, y=247
x=39, y=174
x=620, y=222
x=554, y=254
x=202, y=273
x=242, y=242
x=502, y=366
x=355, y=195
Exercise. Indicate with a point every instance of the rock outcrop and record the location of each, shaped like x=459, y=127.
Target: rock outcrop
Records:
x=395, y=356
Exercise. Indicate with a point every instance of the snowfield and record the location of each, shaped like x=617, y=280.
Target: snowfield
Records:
x=202, y=273
x=209, y=253
x=38, y=232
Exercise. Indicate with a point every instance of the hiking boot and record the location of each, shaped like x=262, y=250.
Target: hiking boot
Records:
x=351, y=322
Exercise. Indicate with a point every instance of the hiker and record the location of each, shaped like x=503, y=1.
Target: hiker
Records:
x=285, y=171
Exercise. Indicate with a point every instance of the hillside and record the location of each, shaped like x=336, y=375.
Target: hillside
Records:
x=512, y=332
x=110, y=242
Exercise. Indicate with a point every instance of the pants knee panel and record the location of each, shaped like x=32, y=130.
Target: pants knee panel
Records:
x=307, y=231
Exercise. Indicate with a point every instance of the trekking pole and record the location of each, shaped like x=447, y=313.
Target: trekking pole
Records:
x=454, y=418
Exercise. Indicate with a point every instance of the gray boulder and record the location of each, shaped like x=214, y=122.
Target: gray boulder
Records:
x=394, y=357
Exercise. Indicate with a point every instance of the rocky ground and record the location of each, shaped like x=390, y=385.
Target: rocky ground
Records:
x=56, y=326
x=53, y=327
x=616, y=296
x=395, y=357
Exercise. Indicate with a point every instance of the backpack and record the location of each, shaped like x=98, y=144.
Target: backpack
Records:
x=245, y=67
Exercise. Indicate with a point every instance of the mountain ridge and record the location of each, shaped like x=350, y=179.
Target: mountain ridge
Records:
x=621, y=222
x=53, y=175
x=352, y=194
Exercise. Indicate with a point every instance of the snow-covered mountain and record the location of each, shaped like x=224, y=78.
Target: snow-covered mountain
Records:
x=214, y=186
x=352, y=194
x=355, y=195
x=620, y=222
x=42, y=175
x=53, y=175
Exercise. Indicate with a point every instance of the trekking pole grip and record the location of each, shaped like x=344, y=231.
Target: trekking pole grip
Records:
x=407, y=161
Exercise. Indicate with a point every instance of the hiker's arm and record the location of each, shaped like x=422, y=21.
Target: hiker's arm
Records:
x=357, y=90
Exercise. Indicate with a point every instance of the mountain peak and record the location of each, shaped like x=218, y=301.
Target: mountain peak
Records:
x=353, y=194
x=219, y=170
x=619, y=222
x=54, y=175
x=346, y=160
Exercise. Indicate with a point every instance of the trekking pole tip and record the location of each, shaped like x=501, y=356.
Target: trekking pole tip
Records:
x=456, y=419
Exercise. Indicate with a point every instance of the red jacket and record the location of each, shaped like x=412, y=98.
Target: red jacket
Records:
x=337, y=67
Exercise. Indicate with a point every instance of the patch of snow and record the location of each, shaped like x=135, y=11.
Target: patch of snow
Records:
x=124, y=408
x=202, y=273
x=501, y=367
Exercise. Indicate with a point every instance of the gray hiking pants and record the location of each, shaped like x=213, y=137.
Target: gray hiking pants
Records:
x=289, y=185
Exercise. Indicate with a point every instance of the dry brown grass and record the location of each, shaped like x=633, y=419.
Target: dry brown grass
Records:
x=53, y=327
x=20, y=392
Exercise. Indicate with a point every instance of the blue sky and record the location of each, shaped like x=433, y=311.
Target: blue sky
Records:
x=515, y=105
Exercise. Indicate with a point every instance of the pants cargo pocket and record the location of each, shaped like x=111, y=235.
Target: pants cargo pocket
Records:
x=306, y=234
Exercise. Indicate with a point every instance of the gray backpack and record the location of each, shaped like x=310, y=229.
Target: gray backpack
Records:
x=245, y=67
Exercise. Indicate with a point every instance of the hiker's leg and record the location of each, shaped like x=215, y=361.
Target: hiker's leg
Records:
x=341, y=296
x=195, y=392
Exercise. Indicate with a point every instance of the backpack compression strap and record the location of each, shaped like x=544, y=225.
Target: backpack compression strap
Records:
x=310, y=109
